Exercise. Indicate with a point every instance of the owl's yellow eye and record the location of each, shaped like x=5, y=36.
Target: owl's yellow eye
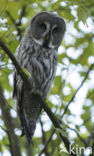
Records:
x=43, y=26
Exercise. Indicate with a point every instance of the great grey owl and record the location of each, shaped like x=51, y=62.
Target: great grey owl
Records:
x=37, y=52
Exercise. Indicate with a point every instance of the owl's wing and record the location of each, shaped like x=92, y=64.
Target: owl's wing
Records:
x=17, y=81
x=23, y=99
x=15, y=77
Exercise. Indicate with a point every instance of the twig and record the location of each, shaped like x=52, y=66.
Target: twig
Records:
x=82, y=140
x=23, y=12
x=13, y=21
x=77, y=90
x=4, y=129
x=43, y=150
x=18, y=23
x=10, y=145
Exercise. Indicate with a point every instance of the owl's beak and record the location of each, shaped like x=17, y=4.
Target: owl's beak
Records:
x=46, y=41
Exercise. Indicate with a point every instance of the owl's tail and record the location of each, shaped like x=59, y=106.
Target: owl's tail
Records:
x=29, y=114
x=29, y=127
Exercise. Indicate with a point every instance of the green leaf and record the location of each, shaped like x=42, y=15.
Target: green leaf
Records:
x=60, y=131
x=27, y=72
x=3, y=5
x=83, y=13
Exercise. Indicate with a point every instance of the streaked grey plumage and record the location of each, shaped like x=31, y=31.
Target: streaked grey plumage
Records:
x=37, y=52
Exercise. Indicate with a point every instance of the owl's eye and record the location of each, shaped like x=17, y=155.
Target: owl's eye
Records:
x=43, y=26
x=55, y=30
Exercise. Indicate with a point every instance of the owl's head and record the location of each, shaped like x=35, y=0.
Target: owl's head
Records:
x=47, y=29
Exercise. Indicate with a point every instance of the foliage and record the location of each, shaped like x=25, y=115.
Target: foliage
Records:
x=75, y=57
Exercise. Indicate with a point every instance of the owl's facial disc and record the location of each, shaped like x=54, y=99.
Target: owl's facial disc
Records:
x=47, y=29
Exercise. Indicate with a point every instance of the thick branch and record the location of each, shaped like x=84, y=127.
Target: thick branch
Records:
x=14, y=143
x=16, y=64
x=38, y=97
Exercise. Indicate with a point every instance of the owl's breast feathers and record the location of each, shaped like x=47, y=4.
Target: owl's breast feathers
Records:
x=41, y=63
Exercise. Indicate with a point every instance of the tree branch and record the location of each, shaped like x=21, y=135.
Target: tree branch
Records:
x=16, y=64
x=38, y=97
x=14, y=143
